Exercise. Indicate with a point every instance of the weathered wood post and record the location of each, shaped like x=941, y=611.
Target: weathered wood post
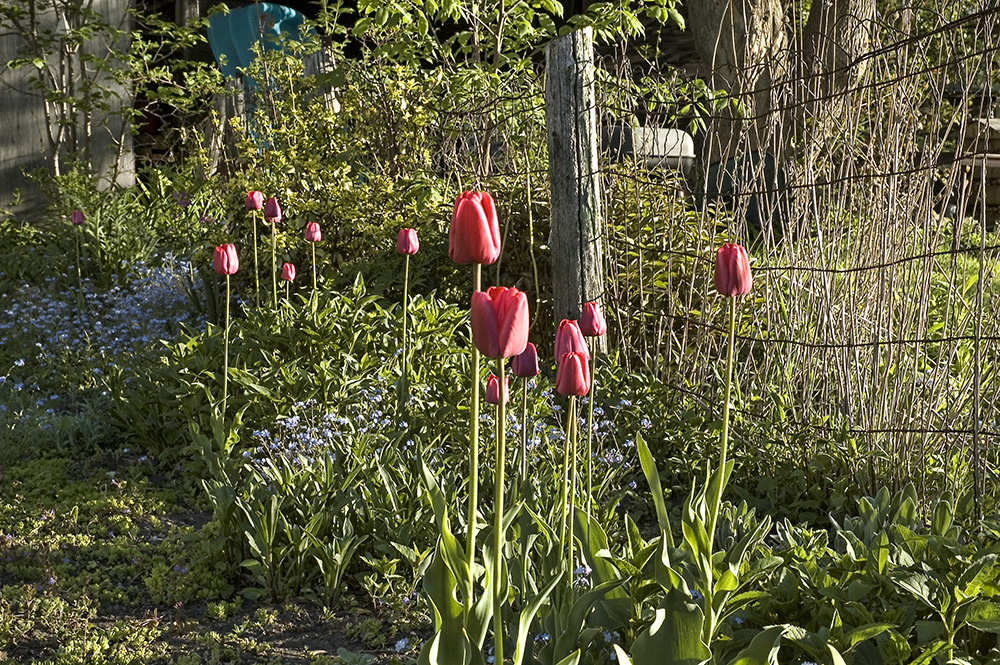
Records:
x=571, y=126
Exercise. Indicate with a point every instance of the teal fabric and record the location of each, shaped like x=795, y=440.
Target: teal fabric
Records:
x=233, y=36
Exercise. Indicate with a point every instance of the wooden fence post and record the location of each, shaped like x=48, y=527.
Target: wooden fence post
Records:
x=571, y=127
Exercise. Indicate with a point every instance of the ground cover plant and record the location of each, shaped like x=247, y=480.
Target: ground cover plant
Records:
x=238, y=424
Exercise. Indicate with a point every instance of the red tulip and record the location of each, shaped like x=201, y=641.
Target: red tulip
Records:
x=288, y=272
x=573, y=375
x=525, y=364
x=313, y=232
x=493, y=389
x=500, y=322
x=255, y=200
x=569, y=338
x=407, y=242
x=77, y=217
x=474, y=236
x=226, y=262
x=272, y=211
x=592, y=323
x=732, y=271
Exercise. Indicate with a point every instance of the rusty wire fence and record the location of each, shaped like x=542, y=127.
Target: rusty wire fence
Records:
x=871, y=217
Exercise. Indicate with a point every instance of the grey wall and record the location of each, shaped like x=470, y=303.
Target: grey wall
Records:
x=23, y=142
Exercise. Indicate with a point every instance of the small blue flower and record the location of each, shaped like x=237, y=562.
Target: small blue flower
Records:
x=402, y=644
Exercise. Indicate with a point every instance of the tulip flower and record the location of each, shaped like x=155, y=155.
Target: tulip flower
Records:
x=272, y=215
x=313, y=235
x=592, y=323
x=474, y=236
x=255, y=200
x=573, y=375
x=407, y=242
x=732, y=271
x=525, y=364
x=500, y=322
x=254, y=204
x=226, y=262
x=272, y=211
x=569, y=338
x=77, y=217
x=313, y=232
x=493, y=389
x=288, y=272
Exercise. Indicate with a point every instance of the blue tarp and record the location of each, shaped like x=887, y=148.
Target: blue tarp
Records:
x=234, y=36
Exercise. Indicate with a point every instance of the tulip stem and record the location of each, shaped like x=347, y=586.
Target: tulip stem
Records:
x=522, y=464
x=404, y=393
x=498, y=531
x=568, y=500
x=274, y=262
x=225, y=362
x=470, y=543
x=79, y=274
x=590, y=432
x=256, y=269
x=716, y=499
x=315, y=291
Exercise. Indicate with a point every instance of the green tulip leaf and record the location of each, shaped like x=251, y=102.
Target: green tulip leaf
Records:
x=763, y=648
x=528, y=616
x=653, y=478
x=674, y=638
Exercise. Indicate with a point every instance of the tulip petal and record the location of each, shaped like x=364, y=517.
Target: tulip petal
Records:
x=485, y=332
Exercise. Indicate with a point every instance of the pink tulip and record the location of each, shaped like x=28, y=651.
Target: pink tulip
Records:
x=226, y=261
x=732, y=271
x=573, y=375
x=255, y=200
x=288, y=272
x=500, y=322
x=525, y=364
x=407, y=242
x=474, y=236
x=569, y=338
x=313, y=232
x=272, y=211
x=592, y=323
x=77, y=217
x=493, y=389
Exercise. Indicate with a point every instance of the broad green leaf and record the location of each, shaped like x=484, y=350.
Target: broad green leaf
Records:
x=763, y=648
x=674, y=637
x=866, y=632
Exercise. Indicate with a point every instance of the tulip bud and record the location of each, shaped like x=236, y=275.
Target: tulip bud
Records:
x=272, y=211
x=573, y=375
x=525, y=364
x=569, y=338
x=493, y=389
x=474, y=236
x=226, y=261
x=500, y=322
x=313, y=232
x=592, y=323
x=732, y=271
x=77, y=217
x=407, y=242
x=288, y=272
x=255, y=200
